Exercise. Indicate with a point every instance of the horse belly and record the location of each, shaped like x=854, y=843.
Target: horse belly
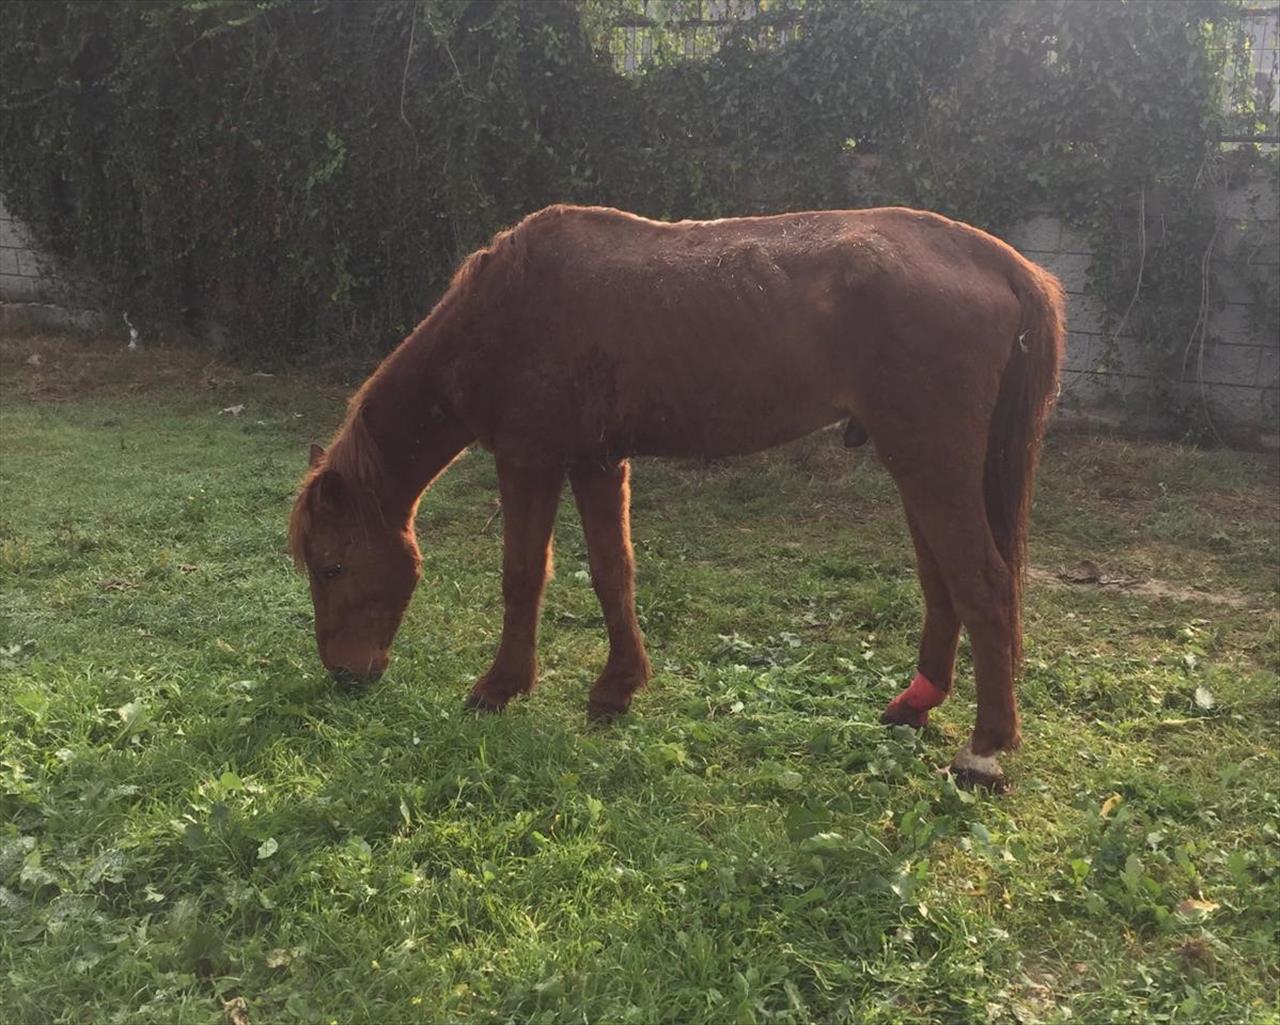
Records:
x=723, y=436
x=729, y=408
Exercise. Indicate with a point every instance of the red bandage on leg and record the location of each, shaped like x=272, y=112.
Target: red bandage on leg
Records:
x=923, y=694
x=911, y=707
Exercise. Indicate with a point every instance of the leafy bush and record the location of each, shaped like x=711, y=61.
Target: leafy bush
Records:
x=306, y=175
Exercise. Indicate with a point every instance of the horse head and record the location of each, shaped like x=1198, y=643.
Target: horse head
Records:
x=362, y=569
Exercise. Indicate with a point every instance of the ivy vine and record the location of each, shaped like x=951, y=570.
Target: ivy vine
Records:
x=307, y=174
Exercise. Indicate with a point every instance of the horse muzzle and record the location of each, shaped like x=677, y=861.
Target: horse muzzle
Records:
x=348, y=680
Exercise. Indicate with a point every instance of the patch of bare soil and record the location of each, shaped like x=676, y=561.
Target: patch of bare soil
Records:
x=50, y=367
x=1238, y=504
x=57, y=368
x=1087, y=574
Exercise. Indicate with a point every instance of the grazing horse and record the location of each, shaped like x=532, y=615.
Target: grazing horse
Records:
x=584, y=336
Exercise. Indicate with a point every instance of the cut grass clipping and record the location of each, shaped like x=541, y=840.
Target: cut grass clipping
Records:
x=196, y=827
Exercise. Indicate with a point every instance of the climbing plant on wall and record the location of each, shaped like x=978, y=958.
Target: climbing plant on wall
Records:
x=307, y=174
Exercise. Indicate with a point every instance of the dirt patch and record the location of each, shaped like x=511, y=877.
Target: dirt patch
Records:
x=53, y=368
x=1087, y=574
x=60, y=368
x=1238, y=505
x=1197, y=953
x=48, y=369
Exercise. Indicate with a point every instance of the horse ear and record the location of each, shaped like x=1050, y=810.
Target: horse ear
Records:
x=317, y=455
x=330, y=487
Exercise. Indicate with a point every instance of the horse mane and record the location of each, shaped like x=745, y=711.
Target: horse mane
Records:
x=353, y=453
x=300, y=524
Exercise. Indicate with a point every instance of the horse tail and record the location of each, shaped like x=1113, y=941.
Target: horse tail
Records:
x=1028, y=388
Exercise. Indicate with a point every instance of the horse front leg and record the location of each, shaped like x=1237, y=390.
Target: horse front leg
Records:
x=603, y=495
x=529, y=500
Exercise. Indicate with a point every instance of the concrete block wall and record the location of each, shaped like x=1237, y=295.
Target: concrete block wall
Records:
x=1235, y=372
x=1241, y=366
x=21, y=279
x=30, y=293
x=1100, y=369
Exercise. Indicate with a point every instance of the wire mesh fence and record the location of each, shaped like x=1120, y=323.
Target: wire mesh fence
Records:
x=693, y=29
x=1253, y=80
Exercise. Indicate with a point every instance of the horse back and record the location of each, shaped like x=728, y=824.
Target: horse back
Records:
x=614, y=335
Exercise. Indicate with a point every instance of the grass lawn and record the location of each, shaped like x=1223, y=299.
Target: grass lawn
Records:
x=196, y=826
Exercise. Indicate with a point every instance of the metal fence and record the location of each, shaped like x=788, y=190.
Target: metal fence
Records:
x=1253, y=92
x=692, y=29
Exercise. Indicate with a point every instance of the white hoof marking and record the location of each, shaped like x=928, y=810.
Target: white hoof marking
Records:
x=980, y=765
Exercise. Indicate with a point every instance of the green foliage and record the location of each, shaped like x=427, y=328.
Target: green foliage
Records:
x=301, y=173
x=308, y=174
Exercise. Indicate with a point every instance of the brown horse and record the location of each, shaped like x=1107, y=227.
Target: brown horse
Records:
x=584, y=336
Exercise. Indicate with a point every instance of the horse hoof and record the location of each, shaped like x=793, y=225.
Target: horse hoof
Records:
x=978, y=772
x=602, y=713
x=898, y=713
x=971, y=780
x=479, y=703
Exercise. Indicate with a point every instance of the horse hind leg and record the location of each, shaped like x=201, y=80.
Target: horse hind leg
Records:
x=603, y=497
x=938, y=641
x=945, y=502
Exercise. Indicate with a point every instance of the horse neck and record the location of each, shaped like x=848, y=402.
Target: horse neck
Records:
x=406, y=412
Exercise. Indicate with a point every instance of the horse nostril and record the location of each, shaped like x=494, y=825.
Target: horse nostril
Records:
x=343, y=677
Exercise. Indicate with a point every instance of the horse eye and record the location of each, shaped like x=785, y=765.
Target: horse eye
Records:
x=331, y=572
